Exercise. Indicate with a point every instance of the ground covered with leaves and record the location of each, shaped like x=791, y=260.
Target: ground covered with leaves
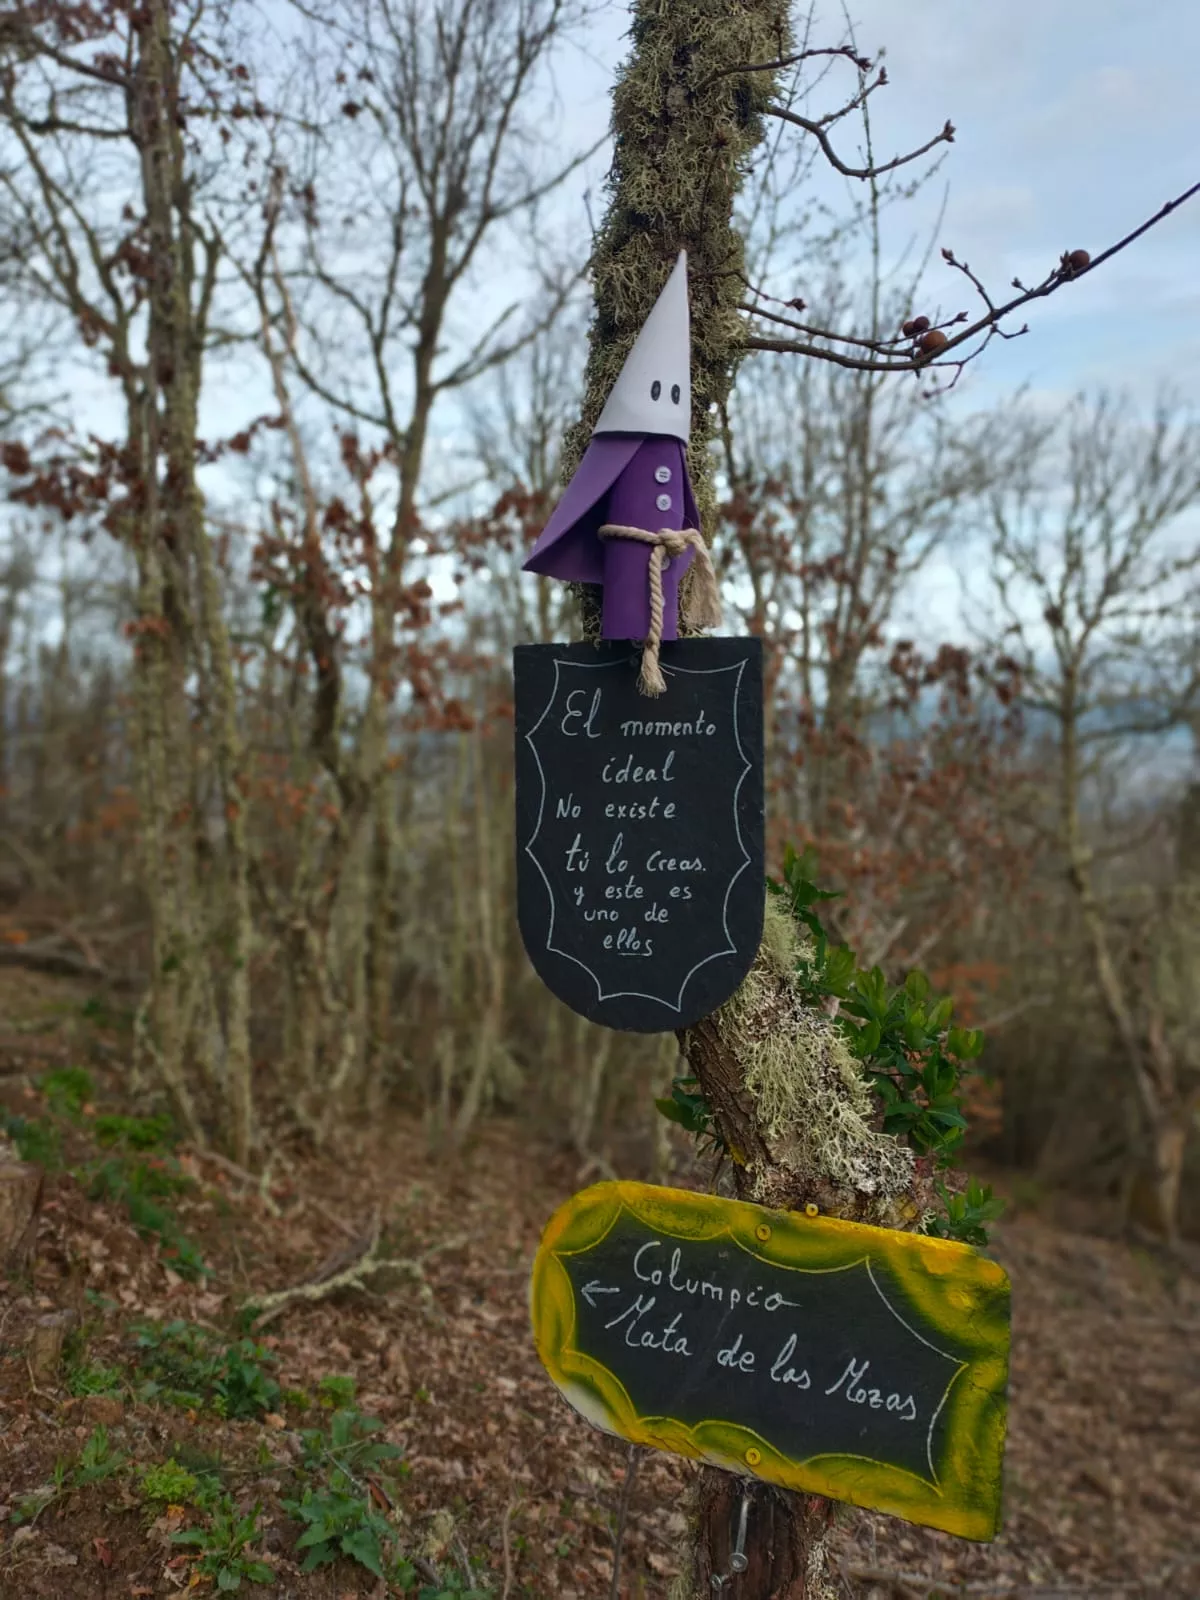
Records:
x=402, y=1439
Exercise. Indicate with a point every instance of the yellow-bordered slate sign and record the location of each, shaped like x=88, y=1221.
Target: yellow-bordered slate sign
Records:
x=825, y=1356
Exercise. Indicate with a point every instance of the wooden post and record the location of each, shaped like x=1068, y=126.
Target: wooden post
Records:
x=20, y=1201
x=46, y=1345
x=680, y=111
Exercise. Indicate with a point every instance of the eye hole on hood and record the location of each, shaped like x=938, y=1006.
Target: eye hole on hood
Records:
x=675, y=393
x=655, y=389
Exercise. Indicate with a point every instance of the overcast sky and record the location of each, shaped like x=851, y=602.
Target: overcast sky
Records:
x=1076, y=119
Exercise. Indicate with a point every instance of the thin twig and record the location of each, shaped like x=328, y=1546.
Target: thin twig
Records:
x=632, y=1461
x=945, y=136
x=886, y=359
x=863, y=64
x=506, y=1546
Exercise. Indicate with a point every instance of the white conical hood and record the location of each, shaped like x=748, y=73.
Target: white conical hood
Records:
x=657, y=368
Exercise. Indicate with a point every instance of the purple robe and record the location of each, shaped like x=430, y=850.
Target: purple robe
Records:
x=641, y=481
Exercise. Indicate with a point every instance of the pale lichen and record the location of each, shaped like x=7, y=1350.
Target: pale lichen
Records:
x=814, y=1106
x=686, y=122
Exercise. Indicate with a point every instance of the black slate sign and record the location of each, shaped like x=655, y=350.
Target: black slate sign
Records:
x=856, y=1362
x=640, y=827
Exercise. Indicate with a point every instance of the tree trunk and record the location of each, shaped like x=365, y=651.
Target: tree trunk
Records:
x=686, y=122
x=785, y=1539
x=1167, y=1112
x=181, y=626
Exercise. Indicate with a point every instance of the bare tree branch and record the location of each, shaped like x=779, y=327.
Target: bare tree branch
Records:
x=817, y=129
x=937, y=353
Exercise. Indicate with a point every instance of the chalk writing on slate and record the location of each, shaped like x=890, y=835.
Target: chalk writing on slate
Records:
x=640, y=827
x=825, y=1356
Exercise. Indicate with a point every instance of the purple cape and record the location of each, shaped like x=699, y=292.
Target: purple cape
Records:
x=571, y=549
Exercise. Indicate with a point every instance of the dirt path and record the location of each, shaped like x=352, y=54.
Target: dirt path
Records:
x=1103, y=1469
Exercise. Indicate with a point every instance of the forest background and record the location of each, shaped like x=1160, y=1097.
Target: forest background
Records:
x=293, y=317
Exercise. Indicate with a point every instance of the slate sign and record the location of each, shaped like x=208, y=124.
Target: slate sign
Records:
x=824, y=1356
x=640, y=879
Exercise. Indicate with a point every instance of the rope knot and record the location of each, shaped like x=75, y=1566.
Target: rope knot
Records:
x=701, y=606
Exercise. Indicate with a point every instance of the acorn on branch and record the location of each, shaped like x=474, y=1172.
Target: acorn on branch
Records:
x=1074, y=262
x=933, y=341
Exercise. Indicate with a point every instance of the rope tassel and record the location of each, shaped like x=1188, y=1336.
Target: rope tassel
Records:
x=701, y=606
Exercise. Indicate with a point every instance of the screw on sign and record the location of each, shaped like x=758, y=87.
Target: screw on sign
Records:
x=639, y=758
x=737, y=1558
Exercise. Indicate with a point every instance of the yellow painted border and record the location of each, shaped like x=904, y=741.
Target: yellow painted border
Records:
x=956, y=1290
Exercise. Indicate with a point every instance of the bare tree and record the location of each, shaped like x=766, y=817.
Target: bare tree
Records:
x=103, y=190
x=517, y=425
x=358, y=300
x=1097, y=578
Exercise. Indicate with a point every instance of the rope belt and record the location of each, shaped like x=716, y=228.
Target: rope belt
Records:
x=700, y=607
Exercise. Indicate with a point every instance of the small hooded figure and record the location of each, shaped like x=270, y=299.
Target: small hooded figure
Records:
x=628, y=518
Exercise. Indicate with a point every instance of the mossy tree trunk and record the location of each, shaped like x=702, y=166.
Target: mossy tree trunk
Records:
x=796, y=1116
x=180, y=631
x=686, y=121
x=685, y=124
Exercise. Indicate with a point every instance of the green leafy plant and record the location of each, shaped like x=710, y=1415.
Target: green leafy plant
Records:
x=187, y=1365
x=338, y=1523
x=687, y=1107
x=348, y=1445
x=133, y=1133
x=67, y=1090
x=911, y=1052
x=97, y=1460
x=967, y=1213
x=914, y=1058
x=170, y=1483
x=243, y=1387
x=338, y=1514
x=223, y=1545
x=93, y=1378
x=335, y=1391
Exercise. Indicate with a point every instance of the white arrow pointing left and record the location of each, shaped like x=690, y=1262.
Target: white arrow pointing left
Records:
x=591, y=1290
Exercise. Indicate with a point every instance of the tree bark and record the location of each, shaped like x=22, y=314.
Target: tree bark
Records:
x=1167, y=1108
x=686, y=121
x=785, y=1538
x=181, y=626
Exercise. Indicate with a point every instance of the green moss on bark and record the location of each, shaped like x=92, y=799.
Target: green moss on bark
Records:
x=685, y=125
x=813, y=1106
